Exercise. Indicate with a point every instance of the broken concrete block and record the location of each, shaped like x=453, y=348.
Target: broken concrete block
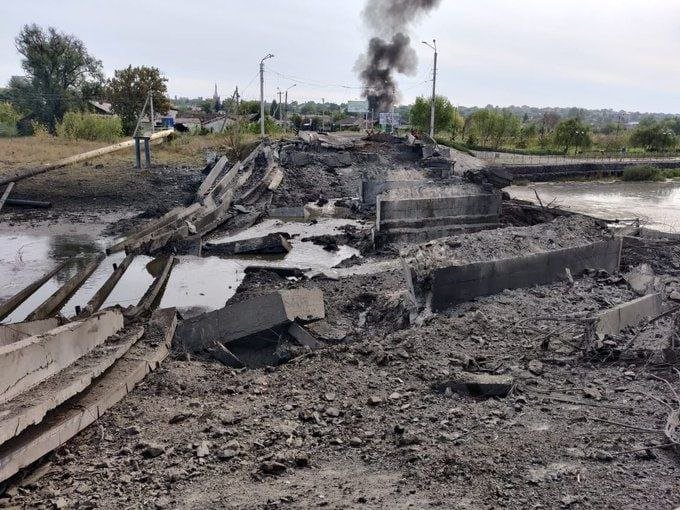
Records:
x=612, y=321
x=641, y=279
x=436, y=206
x=304, y=337
x=28, y=362
x=249, y=317
x=479, y=385
x=269, y=244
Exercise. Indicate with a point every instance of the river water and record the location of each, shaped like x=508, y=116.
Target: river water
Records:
x=656, y=204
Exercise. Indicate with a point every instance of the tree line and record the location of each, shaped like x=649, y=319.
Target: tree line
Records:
x=499, y=128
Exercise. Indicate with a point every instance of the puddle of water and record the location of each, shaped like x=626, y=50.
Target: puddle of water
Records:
x=202, y=284
x=132, y=285
x=92, y=284
x=24, y=258
x=657, y=204
x=195, y=284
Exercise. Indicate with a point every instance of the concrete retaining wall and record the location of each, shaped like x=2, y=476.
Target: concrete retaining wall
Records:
x=25, y=363
x=612, y=321
x=430, y=208
x=540, y=173
x=457, y=284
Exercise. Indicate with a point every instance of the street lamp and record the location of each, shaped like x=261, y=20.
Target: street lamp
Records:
x=268, y=56
x=434, y=83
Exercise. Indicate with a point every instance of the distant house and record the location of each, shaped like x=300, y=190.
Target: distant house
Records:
x=217, y=124
x=102, y=108
x=184, y=124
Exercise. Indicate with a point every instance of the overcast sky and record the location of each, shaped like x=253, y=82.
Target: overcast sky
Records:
x=620, y=54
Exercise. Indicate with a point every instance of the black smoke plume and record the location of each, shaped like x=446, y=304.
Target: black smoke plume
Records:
x=390, y=50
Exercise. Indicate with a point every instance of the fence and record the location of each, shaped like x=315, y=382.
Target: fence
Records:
x=512, y=159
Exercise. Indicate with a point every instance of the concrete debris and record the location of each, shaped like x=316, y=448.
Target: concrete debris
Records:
x=269, y=244
x=304, y=337
x=641, y=279
x=478, y=385
x=28, y=362
x=612, y=321
x=240, y=320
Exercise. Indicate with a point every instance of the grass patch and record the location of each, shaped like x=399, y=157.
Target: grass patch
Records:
x=642, y=173
x=88, y=126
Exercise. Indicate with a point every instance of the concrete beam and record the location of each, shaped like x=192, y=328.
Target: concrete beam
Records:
x=152, y=294
x=210, y=179
x=12, y=303
x=100, y=296
x=30, y=408
x=5, y=195
x=248, y=317
x=269, y=244
x=76, y=414
x=54, y=303
x=10, y=333
x=612, y=321
x=28, y=362
x=460, y=283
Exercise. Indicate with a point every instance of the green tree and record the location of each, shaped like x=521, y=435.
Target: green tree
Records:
x=572, y=133
x=444, y=113
x=653, y=137
x=60, y=74
x=128, y=89
x=493, y=128
x=8, y=119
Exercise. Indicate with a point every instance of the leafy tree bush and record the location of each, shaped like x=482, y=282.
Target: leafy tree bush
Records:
x=653, y=137
x=128, y=90
x=572, y=133
x=8, y=119
x=444, y=114
x=60, y=74
x=88, y=126
x=493, y=128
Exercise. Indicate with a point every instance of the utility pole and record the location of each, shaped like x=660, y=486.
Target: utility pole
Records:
x=269, y=55
x=285, y=110
x=434, y=85
x=278, y=107
x=153, y=123
x=323, y=119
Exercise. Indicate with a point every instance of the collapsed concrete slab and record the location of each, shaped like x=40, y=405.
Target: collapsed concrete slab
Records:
x=248, y=317
x=269, y=244
x=459, y=269
x=612, y=321
x=26, y=363
x=76, y=414
x=29, y=408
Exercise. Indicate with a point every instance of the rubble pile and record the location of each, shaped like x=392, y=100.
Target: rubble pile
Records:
x=527, y=363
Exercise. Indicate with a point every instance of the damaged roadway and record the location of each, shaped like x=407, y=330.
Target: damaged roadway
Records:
x=507, y=398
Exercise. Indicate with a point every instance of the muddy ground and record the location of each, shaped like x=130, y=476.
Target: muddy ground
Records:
x=363, y=421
